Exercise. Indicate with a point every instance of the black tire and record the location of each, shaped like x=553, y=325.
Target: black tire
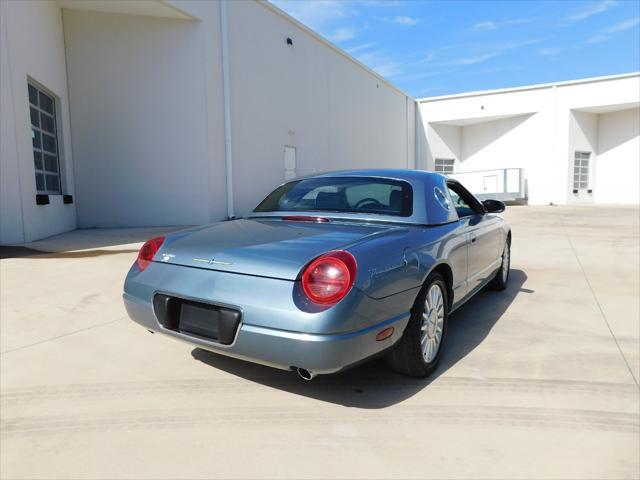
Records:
x=407, y=356
x=501, y=280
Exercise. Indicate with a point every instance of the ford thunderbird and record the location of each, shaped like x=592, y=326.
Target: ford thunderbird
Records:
x=326, y=272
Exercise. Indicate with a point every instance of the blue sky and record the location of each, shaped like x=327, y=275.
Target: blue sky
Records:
x=430, y=48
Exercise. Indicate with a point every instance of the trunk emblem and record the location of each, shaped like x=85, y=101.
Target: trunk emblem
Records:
x=211, y=261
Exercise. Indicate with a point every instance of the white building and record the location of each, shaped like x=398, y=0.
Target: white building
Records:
x=119, y=108
x=177, y=112
x=575, y=141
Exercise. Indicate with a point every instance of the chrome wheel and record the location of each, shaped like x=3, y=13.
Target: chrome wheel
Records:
x=506, y=260
x=432, y=323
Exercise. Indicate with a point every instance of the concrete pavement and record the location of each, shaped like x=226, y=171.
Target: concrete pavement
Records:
x=540, y=381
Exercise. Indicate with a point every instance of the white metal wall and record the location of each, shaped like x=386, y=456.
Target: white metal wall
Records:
x=147, y=110
x=539, y=129
x=445, y=141
x=147, y=150
x=336, y=114
x=618, y=163
x=31, y=45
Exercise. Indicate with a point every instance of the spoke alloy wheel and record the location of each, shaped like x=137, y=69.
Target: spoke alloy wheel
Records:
x=506, y=259
x=432, y=323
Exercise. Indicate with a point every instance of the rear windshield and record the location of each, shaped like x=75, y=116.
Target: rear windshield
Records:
x=341, y=194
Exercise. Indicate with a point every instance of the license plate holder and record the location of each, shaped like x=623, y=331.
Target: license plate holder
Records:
x=203, y=320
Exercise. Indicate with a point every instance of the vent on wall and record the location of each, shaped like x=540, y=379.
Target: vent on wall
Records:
x=42, y=199
x=289, y=162
x=444, y=165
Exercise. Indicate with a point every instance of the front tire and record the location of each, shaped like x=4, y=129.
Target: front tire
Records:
x=419, y=350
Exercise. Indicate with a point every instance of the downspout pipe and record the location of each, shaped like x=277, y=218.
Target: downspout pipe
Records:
x=407, y=130
x=419, y=131
x=228, y=152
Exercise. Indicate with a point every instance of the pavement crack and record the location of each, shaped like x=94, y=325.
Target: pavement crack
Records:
x=61, y=336
x=470, y=415
x=595, y=298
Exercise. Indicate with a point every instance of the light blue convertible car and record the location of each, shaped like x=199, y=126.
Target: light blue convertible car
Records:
x=326, y=272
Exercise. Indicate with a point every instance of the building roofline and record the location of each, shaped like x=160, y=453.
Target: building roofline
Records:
x=538, y=86
x=332, y=46
x=179, y=10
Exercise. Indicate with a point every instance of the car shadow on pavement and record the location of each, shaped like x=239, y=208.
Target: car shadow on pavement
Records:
x=373, y=384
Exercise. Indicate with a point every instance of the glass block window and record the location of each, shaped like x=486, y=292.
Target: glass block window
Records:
x=444, y=165
x=42, y=110
x=581, y=170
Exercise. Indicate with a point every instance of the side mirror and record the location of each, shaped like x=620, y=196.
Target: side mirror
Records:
x=494, y=206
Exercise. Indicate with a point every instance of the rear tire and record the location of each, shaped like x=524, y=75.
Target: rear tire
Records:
x=501, y=279
x=419, y=350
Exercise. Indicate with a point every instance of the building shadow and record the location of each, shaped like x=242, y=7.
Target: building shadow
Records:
x=86, y=243
x=374, y=385
x=26, y=252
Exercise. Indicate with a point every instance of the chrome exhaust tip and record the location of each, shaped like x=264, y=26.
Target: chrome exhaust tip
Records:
x=305, y=374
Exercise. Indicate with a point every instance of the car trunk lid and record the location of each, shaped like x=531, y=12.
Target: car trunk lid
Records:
x=262, y=247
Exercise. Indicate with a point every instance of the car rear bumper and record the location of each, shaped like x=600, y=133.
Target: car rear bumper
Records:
x=318, y=353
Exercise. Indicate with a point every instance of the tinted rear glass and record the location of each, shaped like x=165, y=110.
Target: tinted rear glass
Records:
x=341, y=194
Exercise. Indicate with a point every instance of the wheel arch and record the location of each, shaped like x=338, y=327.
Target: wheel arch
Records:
x=445, y=271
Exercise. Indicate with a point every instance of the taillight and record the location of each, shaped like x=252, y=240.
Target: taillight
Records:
x=148, y=250
x=328, y=278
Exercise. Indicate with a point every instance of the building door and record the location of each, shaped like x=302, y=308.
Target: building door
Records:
x=289, y=162
x=582, y=191
x=490, y=184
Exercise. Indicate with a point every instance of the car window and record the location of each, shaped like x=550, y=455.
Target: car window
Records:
x=342, y=194
x=462, y=207
x=313, y=194
x=380, y=193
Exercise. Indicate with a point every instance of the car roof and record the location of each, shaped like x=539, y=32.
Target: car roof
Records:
x=427, y=209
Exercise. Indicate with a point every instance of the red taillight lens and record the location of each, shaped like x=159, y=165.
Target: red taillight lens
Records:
x=328, y=278
x=148, y=250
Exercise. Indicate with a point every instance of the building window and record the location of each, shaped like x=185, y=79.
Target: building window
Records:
x=42, y=108
x=444, y=165
x=581, y=170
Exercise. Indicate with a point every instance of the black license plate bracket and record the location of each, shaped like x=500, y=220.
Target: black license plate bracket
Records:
x=210, y=322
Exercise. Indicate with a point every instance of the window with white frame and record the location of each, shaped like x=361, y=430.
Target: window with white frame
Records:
x=42, y=108
x=444, y=165
x=581, y=170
